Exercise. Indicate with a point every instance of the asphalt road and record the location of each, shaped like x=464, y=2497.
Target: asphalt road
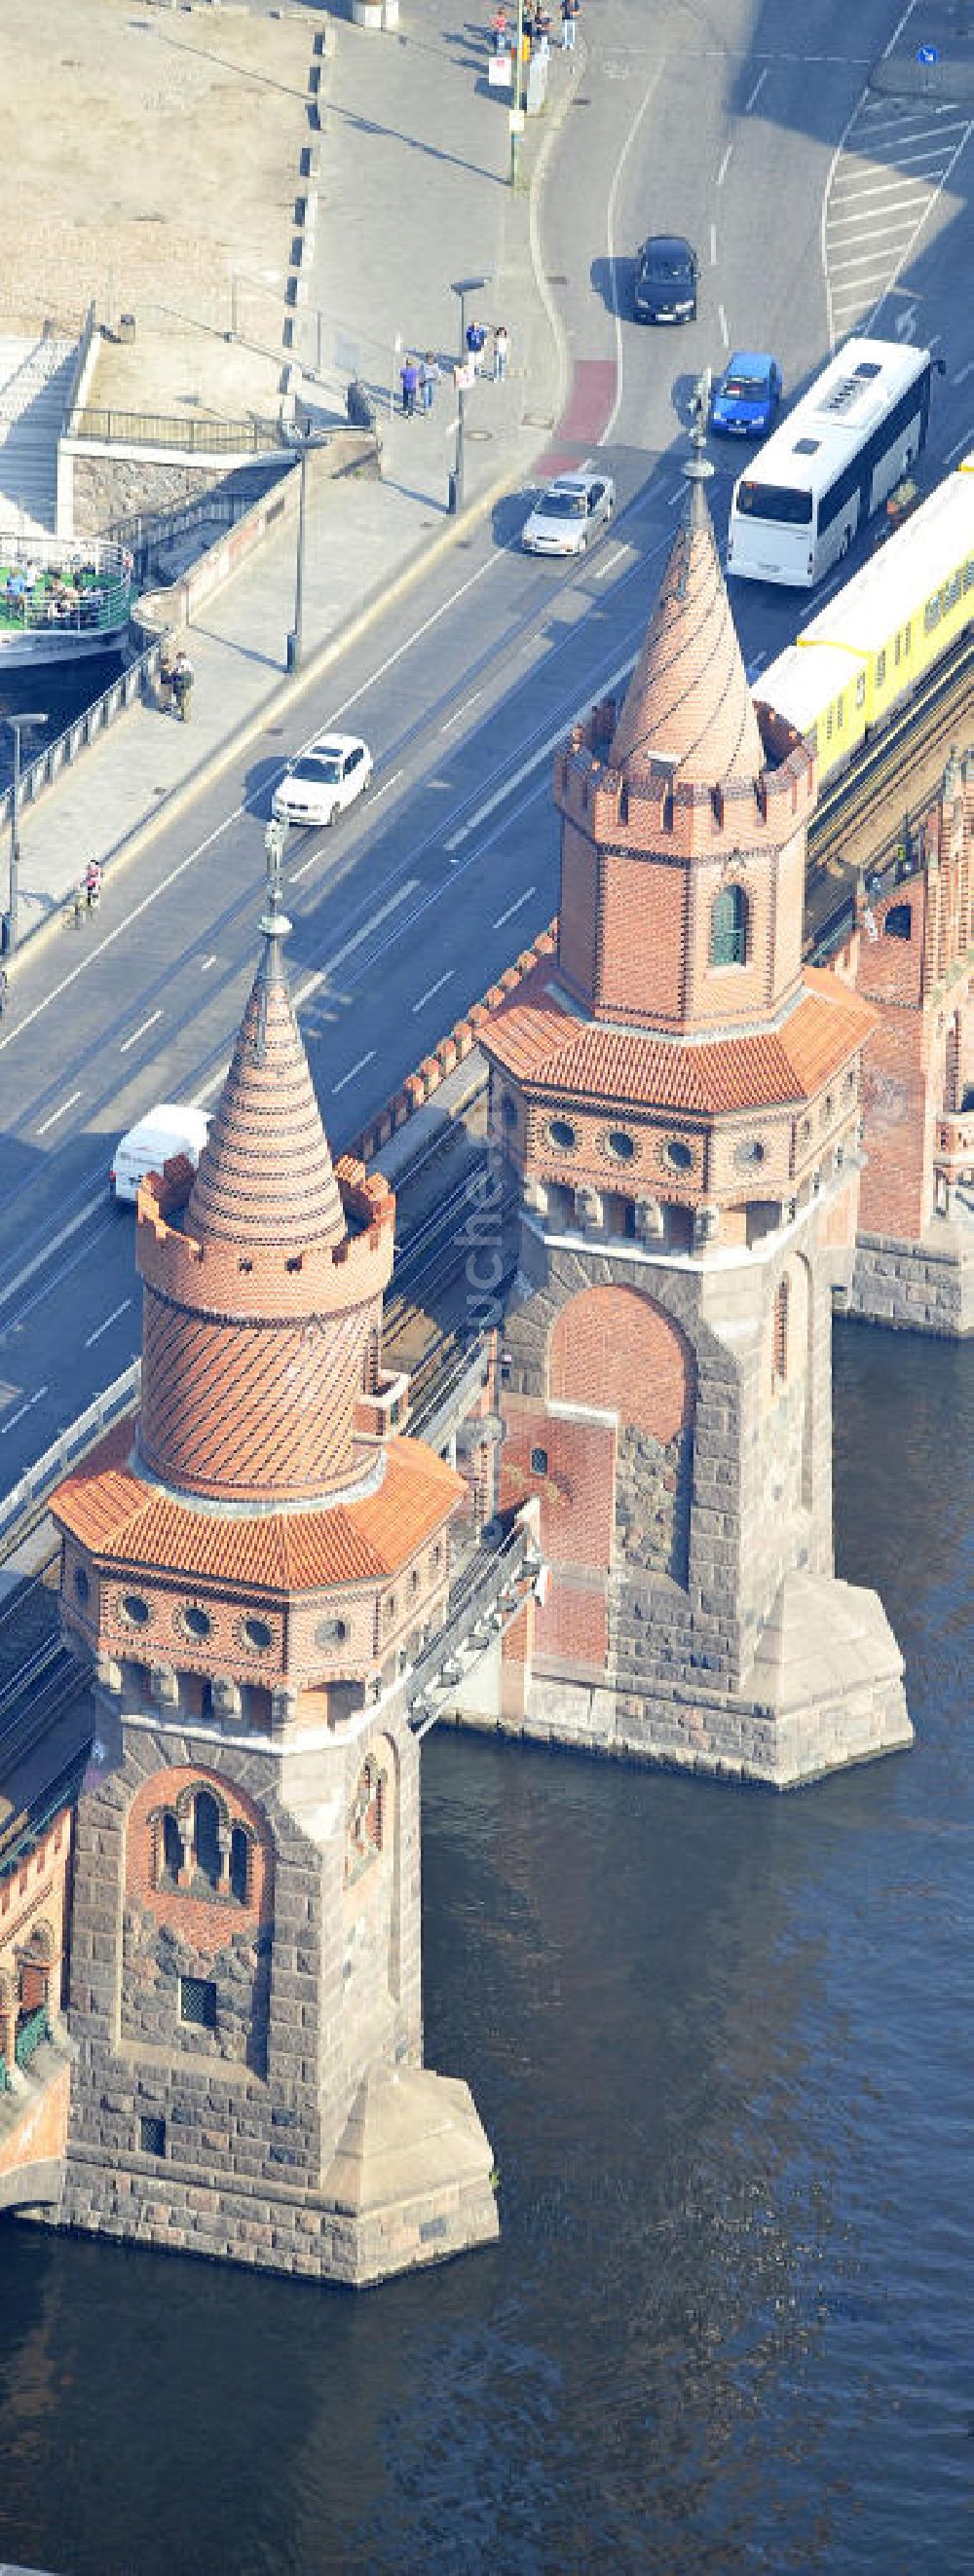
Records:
x=413, y=904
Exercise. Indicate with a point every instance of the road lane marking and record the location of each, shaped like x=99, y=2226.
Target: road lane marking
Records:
x=295, y=874
x=107, y=1325
x=513, y=908
x=206, y=963
x=610, y=213
x=138, y=1033
x=352, y=1071
x=433, y=988
x=966, y=441
x=375, y=920
x=14, y=1418
x=461, y=711
x=384, y=789
x=722, y=172
x=724, y=333
x=963, y=373
x=756, y=92
x=500, y=793
x=58, y=1113
x=616, y=557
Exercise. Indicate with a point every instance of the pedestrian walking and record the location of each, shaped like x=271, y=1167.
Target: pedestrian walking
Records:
x=429, y=377
x=498, y=29
x=476, y=344
x=183, y=676
x=570, y=13
x=165, y=681
x=541, y=29
x=409, y=374
x=501, y=350
x=93, y=885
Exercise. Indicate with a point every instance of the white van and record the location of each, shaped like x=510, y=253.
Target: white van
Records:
x=169, y=1129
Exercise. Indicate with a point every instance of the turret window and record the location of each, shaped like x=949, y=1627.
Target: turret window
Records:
x=899, y=922
x=207, y=1838
x=728, y=927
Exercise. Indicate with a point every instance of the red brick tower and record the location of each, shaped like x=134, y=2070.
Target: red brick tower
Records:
x=251, y=1578
x=912, y=959
x=681, y=1107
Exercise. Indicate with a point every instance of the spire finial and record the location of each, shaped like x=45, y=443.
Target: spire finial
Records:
x=698, y=468
x=273, y=922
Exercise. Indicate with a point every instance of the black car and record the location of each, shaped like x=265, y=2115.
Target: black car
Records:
x=666, y=280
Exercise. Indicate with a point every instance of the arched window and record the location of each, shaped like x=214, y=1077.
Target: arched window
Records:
x=781, y=1332
x=239, y=1864
x=172, y=1849
x=728, y=927
x=207, y=1837
x=899, y=922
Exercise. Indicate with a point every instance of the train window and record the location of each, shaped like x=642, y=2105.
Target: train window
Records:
x=969, y=574
x=880, y=669
x=839, y=710
x=907, y=632
x=952, y=592
x=896, y=645
x=931, y=614
x=828, y=726
x=861, y=689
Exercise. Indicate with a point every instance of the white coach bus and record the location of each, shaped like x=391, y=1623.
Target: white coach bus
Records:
x=828, y=466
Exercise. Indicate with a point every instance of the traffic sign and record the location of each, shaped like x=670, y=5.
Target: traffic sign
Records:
x=927, y=54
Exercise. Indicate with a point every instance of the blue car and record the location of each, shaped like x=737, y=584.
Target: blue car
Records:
x=744, y=401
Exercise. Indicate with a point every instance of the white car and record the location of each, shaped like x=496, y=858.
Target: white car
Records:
x=569, y=514
x=323, y=780
x=171, y=1128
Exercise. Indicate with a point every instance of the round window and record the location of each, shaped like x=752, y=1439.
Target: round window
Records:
x=258, y=1635
x=678, y=1155
x=331, y=1632
x=562, y=1134
x=196, y=1622
x=81, y=1584
x=621, y=1145
x=748, y=1154
x=135, y=1610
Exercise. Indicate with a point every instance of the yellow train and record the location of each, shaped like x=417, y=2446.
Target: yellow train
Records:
x=870, y=645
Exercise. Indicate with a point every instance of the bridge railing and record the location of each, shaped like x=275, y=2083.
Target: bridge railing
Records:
x=39, y=1480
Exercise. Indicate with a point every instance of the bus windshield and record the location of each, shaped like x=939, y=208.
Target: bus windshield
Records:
x=775, y=501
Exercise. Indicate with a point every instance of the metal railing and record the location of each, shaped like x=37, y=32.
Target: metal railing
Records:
x=39, y=1480
x=30, y=2036
x=110, y=428
x=131, y=684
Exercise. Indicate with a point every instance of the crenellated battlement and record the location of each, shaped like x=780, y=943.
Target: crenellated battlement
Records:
x=257, y=1284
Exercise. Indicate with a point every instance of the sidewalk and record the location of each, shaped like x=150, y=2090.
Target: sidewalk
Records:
x=399, y=216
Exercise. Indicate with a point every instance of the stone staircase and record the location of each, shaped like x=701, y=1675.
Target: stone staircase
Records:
x=35, y=377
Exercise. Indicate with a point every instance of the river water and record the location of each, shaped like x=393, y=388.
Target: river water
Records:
x=723, y=2044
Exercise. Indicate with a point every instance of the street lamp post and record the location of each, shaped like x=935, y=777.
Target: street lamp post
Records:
x=295, y=641
x=462, y=286
x=16, y=724
x=516, y=96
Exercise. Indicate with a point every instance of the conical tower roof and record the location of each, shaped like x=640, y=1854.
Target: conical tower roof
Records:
x=265, y=1176
x=688, y=701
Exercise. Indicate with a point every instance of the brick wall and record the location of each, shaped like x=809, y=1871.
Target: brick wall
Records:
x=613, y=1348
